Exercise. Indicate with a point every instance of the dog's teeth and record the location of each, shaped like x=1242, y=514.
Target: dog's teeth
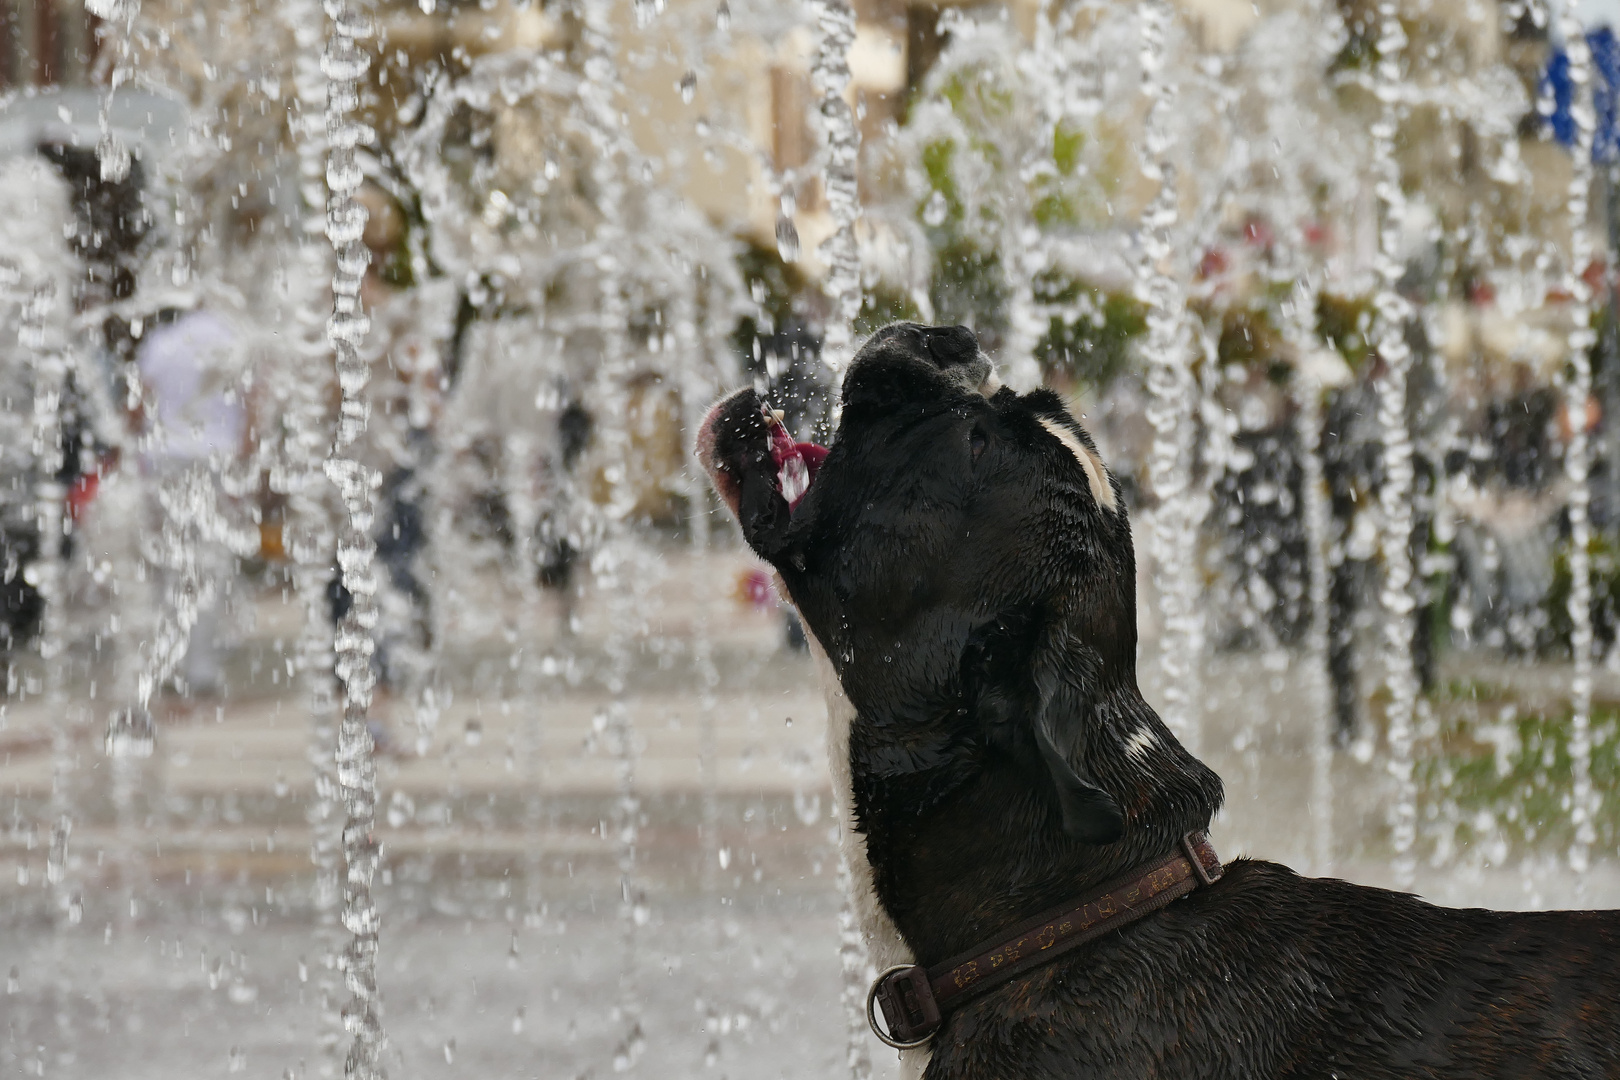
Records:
x=779, y=416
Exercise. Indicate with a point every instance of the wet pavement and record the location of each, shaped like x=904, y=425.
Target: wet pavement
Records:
x=503, y=952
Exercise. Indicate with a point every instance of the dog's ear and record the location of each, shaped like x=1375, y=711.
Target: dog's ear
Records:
x=737, y=453
x=1016, y=671
x=1065, y=677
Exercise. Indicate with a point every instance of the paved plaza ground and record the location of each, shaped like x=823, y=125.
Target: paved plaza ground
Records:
x=502, y=949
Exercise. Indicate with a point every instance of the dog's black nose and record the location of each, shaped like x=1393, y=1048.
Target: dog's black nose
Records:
x=952, y=345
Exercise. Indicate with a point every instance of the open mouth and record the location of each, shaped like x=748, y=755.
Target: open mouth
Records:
x=743, y=437
x=796, y=462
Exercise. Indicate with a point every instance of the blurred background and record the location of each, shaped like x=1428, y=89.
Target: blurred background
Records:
x=1333, y=286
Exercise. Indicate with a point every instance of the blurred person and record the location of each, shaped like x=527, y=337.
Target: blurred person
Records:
x=41, y=267
x=194, y=435
x=409, y=324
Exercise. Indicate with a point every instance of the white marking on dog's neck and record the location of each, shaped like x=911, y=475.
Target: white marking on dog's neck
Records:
x=884, y=945
x=1096, y=471
x=1141, y=741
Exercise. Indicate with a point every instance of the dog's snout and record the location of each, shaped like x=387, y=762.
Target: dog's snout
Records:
x=952, y=346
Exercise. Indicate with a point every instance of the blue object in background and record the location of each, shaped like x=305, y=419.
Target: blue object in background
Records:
x=1605, y=90
x=1557, y=91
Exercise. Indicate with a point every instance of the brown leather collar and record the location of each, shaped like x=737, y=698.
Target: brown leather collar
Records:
x=915, y=1000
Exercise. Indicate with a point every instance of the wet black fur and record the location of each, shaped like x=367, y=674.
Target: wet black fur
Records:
x=978, y=605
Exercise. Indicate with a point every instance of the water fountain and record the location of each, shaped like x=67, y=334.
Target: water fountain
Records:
x=567, y=278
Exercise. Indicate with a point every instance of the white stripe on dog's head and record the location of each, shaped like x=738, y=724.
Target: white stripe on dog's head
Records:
x=1101, y=489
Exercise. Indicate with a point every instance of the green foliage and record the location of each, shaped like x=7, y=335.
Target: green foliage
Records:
x=762, y=267
x=1468, y=690
x=396, y=270
x=881, y=306
x=1067, y=143
x=1360, y=51
x=775, y=285
x=979, y=98
x=780, y=287
x=968, y=286
x=1054, y=203
x=1605, y=578
x=989, y=161
x=938, y=158
x=1096, y=347
x=1249, y=337
x=1518, y=772
x=1344, y=322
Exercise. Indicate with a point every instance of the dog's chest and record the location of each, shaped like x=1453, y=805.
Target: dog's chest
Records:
x=884, y=945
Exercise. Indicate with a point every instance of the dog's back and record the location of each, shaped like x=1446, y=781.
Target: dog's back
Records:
x=1268, y=974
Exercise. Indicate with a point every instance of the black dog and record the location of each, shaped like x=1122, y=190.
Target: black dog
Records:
x=963, y=559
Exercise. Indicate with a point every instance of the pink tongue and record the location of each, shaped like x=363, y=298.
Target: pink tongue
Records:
x=796, y=463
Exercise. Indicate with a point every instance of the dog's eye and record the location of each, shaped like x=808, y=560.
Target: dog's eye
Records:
x=976, y=443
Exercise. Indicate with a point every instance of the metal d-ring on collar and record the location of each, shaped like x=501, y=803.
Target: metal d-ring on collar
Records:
x=925, y=1000
x=914, y=999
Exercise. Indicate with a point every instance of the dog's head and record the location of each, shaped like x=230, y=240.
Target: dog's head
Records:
x=963, y=557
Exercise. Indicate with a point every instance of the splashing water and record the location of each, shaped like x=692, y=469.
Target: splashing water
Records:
x=344, y=62
x=835, y=20
x=118, y=19
x=1395, y=492
x=1578, y=454
x=1174, y=394
x=36, y=333
x=298, y=472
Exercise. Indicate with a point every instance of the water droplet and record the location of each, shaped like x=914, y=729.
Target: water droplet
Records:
x=401, y=809
x=935, y=209
x=688, y=87
x=238, y=1060
x=13, y=980
x=517, y=1020
x=725, y=857
x=787, y=240
x=130, y=734
x=449, y=1051
x=722, y=17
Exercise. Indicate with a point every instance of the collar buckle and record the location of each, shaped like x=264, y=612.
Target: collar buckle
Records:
x=1205, y=862
x=909, y=1009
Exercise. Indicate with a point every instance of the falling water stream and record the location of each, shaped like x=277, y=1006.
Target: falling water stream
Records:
x=1395, y=489
x=1173, y=392
x=47, y=572
x=1578, y=453
x=344, y=63
x=835, y=20
x=298, y=473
